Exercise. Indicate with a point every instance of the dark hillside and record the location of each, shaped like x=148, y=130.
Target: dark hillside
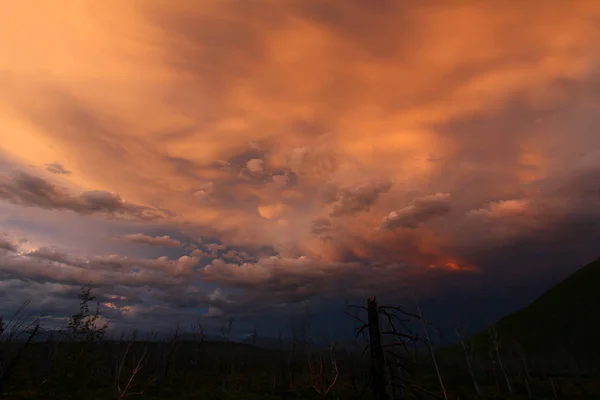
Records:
x=564, y=321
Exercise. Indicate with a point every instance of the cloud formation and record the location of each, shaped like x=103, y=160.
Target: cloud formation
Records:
x=419, y=211
x=57, y=168
x=21, y=188
x=502, y=209
x=158, y=241
x=350, y=201
x=7, y=245
x=301, y=146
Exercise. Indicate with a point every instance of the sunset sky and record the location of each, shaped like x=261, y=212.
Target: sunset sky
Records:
x=234, y=158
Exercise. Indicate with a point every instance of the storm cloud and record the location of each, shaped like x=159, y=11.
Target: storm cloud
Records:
x=21, y=188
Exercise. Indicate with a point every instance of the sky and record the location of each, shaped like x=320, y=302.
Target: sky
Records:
x=200, y=161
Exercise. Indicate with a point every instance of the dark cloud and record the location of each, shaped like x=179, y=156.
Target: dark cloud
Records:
x=320, y=225
x=46, y=253
x=558, y=226
x=247, y=164
x=7, y=244
x=182, y=166
x=284, y=178
x=149, y=292
x=246, y=169
x=57, y=168
x=24, y=189
x=50, y=265
x=419, y=211
x=578, y=183
x=158, y=241
x=134, y=290
x=318, y=162
x=273, y=282
x=350, y=201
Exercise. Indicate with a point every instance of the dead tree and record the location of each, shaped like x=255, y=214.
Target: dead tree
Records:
x=378, y=382
x=494, y=337
x=125, y=391
x=317, y=374
x=198, y=331
x=495, y=373
x=398, y=354
x=226, y=330
x=469, y=358
x=429, y=345
x=527, y=376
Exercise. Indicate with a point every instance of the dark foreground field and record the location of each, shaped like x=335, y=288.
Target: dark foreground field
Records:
x=175, y=369
x=69, y=366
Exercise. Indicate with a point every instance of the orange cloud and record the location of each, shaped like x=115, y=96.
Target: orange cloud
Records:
x=504, y=208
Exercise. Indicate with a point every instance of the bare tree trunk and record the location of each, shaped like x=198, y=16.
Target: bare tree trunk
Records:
x=526, y=371
x=292, y=359
x=283, y=366
x=468, y=357
x=435, y=364
x=491, y=354
x=379, y=383
x=494, y=335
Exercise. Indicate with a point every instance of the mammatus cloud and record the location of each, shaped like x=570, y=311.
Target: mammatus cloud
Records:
x=419, y=211
x=348, y=201
x=21, y=188
x=158, y=241
x=204, y=191
x=271, y=211
x=284, y=179
x=57, y=168
x=255, y=166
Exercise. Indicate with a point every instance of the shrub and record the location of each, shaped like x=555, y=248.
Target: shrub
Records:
x=86, y=326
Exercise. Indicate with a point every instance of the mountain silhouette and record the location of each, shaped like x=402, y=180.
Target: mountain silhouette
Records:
x=564, y=321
